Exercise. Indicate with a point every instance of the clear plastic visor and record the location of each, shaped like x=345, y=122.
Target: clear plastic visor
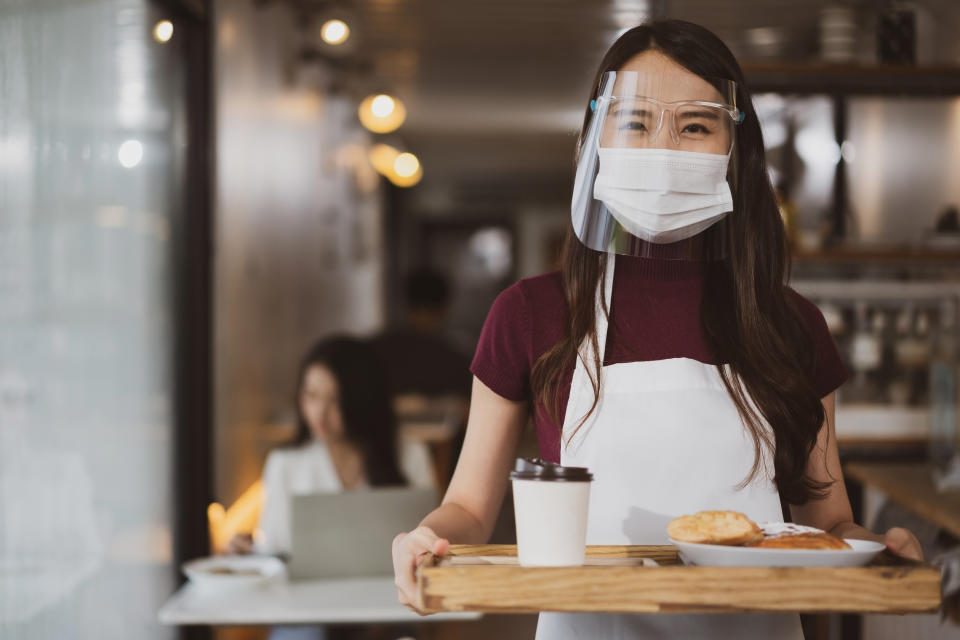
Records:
x=665, y=110
x=639, y=110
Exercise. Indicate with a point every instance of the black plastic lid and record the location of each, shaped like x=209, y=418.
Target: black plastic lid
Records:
x=537, y=469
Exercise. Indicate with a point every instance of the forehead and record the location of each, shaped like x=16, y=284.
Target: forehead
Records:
x=658, y=76
x=319, y=378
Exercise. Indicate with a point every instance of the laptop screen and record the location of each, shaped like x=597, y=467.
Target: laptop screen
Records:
x=349, y=534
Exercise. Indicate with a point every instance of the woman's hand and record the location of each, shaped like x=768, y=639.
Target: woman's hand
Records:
x=832, y=513
x=409, y=550
x=903, y=543
x=240, y=544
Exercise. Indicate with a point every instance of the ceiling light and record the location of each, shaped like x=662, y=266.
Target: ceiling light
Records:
x=382, y=157
x=130, y=154
x=163, y=31
x=381, y=113
x=401, y=169
x=382, y=106
x=406, y=165
x=408, y=181
x=335, y=32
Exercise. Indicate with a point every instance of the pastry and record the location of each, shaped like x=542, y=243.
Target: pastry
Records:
x=822, y=540
x=715, y=527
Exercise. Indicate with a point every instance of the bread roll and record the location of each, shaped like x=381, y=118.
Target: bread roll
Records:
x=715, y=527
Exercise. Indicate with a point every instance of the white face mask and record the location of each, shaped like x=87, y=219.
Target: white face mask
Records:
x=663, y=195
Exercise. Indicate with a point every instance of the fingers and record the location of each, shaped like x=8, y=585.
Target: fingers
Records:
x=409, y=550
x=422, y=540
x=241, y=543
x=903, y=543
x=404, y=559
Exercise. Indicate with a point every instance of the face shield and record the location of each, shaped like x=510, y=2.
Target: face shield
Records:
x=651, y=174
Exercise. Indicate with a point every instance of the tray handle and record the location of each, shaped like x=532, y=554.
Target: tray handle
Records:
x=429, y=560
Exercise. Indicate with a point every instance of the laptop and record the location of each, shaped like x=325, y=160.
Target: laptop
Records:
x=350, y=534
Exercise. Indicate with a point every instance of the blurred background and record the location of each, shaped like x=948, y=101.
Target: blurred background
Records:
x=193, y=191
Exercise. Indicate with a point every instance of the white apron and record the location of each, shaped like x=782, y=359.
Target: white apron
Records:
x=665, y=440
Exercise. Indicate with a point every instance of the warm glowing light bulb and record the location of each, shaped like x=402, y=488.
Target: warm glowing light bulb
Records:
x=408, y=181
x=406, y=165
x=130, y=153
x=163, y=31
x=216, y=515
x=382, y=157
x=381, y=113
x=382, y=106
x=215, y=512
x=334, y=32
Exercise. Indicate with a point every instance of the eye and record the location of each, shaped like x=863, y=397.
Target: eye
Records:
x=696, y=128
x=636, y=125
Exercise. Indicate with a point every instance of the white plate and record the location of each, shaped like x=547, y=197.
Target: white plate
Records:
x=233, y=572
x=715, y=555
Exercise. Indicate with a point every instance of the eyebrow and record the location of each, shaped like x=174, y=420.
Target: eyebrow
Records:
x=710, y=115
x=643, y=113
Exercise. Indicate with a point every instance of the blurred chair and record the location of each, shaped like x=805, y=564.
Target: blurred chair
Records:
x=430, y=428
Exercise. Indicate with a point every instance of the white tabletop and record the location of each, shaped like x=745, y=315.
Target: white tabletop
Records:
x=353, y=600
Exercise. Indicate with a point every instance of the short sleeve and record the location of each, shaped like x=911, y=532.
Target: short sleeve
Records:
x=502, y=359
x=829, y=371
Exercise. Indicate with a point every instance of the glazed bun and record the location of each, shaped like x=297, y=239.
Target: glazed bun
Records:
x=821, y=540
x=715, y=527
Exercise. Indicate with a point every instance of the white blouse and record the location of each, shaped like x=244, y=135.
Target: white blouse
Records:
x=309, y=469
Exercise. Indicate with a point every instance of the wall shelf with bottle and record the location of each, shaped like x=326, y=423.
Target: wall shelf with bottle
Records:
x=882, y=79
x=854, y=163
x=897, y=338
x=884, y=47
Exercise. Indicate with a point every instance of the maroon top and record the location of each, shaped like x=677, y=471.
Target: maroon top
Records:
x=655, y=315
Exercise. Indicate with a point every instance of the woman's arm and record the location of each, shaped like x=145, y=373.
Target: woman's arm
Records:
x=472, y=502
x=833, y=513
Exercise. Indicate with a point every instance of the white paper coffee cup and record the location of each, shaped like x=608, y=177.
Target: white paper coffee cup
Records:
x=550, y=504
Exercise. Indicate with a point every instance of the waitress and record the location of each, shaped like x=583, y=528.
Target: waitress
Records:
x=668, y=356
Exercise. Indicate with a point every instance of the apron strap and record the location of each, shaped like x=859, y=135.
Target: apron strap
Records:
x=603, y=298
x=581, y=389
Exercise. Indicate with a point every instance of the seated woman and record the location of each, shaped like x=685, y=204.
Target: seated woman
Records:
x=346, y=439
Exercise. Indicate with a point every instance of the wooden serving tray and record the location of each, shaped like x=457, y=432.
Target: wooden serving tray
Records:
x=621, y=579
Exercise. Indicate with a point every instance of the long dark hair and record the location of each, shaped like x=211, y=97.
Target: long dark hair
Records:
x=747, y=317
x=368, y=419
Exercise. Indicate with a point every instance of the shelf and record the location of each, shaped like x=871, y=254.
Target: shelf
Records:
x=878, y=255
x=853, y=78
x=898, y=292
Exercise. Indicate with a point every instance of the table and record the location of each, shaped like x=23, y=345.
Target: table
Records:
x=341, y=601
x=910, y=485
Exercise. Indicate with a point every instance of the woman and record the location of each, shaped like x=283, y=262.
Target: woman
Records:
x=346, y=438
x=694, y=379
